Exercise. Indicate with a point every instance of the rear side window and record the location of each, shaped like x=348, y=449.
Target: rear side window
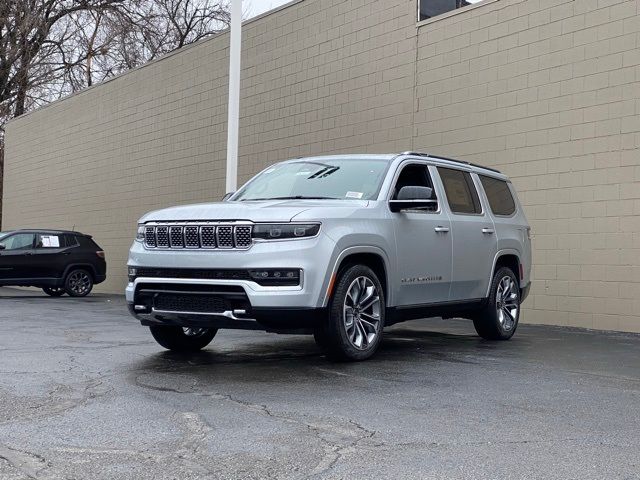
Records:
x=461, y=192
x=499, y=195
x=70, y=241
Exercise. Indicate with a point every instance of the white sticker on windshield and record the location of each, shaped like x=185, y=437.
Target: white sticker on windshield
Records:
x=357, y=195
x=303, y=173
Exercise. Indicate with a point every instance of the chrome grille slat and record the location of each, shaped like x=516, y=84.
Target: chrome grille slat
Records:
x=162, y=237
x=176, y=237
x=191, y=237
x=150, y=237
x=242, y=236
x=195, y=237
x=208, y=237
x=224, y=236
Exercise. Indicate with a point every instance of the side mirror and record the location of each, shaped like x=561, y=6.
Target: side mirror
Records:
x=2, y=246
x=413, y=198
x=227, y=196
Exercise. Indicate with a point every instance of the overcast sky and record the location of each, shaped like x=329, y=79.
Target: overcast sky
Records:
x=256, y=7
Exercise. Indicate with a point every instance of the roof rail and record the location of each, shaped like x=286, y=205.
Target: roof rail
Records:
x=438, y=157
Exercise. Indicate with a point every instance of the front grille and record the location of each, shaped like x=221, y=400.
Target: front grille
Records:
x=199, y=236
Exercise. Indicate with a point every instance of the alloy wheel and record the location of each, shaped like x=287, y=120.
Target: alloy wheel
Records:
x=79, y=283
x=361, y=313
x=507, y=303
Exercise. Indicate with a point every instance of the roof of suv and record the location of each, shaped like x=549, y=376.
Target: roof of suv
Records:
x=444, y=161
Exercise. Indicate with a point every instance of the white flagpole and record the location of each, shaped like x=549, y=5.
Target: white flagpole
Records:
x=233, y=123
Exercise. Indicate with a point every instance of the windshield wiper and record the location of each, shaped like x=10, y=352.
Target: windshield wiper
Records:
x=296, y=197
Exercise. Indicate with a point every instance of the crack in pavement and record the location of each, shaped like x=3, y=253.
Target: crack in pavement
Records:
x=32, y=465
x=348, y=439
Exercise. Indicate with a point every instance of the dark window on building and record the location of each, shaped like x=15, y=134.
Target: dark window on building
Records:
x=433, y=8
x=499, y=195
x=461, y=192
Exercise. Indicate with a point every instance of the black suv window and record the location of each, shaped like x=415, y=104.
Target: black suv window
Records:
x=499, y=195
x=48, y=240
x=69, y=240
x=461, y=192
x=19, y=241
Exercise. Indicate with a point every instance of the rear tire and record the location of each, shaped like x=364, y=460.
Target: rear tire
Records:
x=54, y=291
x=498, y=320
x=78, y=283
x=353, y=331
x=179, y=339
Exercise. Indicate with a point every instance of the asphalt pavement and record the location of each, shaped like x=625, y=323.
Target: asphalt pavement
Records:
x=86, y=393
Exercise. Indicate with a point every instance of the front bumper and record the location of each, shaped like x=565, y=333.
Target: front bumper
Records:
x=263, y=306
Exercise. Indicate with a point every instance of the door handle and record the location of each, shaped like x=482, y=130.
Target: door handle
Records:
x=488, y=231
x=28, y=254
x=442, y=229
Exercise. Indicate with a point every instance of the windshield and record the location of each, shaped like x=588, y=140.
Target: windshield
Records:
x=340, y=179
x=4, y=234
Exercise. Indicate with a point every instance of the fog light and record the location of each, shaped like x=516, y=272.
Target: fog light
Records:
x=276, y=276
x=133, y=273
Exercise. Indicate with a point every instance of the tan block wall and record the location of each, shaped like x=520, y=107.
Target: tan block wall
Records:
x=546, y=90
x=549, y=92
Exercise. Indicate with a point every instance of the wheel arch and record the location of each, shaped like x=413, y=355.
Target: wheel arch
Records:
x=85, y=266
x=506, y=258
x=371, y=256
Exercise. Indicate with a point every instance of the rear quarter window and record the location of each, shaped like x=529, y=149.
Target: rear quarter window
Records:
x=499, y=195
x=70, y=241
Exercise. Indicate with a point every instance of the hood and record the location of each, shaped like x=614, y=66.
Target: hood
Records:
x=267, y=211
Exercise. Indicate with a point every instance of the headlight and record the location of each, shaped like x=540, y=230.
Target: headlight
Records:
x=285, y=231
x=140, y=234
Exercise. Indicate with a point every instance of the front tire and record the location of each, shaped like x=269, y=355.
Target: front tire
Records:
x=356, y=316
x=78, y=283
x=498, y=320
x=54, y=291
x=183, y=339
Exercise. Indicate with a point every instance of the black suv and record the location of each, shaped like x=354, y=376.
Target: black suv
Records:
x=57, y=261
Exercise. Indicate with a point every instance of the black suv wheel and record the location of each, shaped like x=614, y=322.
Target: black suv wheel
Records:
x=78, y=283
x=356, y=316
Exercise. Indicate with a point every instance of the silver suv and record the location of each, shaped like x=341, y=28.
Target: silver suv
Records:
x=337, y=246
